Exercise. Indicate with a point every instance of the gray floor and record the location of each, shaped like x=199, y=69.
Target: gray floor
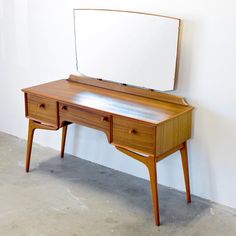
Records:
x=73, y=197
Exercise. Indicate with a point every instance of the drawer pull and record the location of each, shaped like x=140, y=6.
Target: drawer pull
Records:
x=132, y=131
x=104, y=118
x=64, y=108
x=42, y=105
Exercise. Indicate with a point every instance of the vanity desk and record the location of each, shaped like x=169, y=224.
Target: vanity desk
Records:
x=144, y=124
x=136, y=56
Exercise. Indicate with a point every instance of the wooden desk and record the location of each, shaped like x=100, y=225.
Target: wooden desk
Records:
x=143, y=124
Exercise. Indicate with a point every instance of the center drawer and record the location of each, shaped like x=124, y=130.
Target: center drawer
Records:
x=94, y=119
x=134, y=135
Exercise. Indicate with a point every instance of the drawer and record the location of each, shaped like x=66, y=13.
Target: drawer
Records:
x=135, y=135
x=94, y=119
x=42, y=109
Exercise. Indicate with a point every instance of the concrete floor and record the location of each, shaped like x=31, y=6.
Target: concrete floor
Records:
x=74, y=197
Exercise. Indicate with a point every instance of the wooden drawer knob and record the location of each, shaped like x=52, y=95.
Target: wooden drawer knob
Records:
x=64, y=108
x=104, y=118
x=42, y=105
x=132, y=131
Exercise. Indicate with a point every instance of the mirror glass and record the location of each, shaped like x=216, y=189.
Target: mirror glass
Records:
x=130, y=48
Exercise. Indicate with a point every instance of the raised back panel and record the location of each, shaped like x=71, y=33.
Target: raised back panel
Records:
x=127, y=47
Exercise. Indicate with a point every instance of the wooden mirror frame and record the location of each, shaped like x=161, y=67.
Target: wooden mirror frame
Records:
x=143, y=13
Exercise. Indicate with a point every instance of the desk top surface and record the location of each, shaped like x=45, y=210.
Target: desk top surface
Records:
x=114, y=102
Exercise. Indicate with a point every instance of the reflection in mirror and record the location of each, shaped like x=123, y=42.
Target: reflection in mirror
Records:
x=127, y=47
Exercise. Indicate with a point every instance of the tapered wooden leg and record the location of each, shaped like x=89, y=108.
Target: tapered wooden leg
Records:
x=184, y=157
x=63, y=141
x=31, y=129
x=33, y=125
x=151, y=164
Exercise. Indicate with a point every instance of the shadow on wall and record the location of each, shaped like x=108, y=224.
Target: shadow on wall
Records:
x=210, y=152
x=186, y=73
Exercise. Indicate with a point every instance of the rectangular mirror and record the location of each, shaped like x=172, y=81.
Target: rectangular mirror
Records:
x=127, y=47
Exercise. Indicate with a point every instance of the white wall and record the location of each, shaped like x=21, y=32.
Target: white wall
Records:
x=37, y=45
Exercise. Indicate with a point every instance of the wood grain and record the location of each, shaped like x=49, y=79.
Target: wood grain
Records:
x=147, y=129
x=42, y=109
x=113, y=102
x=133, y=135
x=63, y=140
x=89, y=118
x=150, y=162
x=31, y=128
x=184, y=157
x=147, y=93
x=151, y=165
x=173, y=132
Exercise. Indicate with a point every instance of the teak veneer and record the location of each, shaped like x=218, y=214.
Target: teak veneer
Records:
x=144, y=124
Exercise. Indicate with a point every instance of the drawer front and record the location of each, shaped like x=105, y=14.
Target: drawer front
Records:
x=94, y=119
x=133, y=134
x=42, y=109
